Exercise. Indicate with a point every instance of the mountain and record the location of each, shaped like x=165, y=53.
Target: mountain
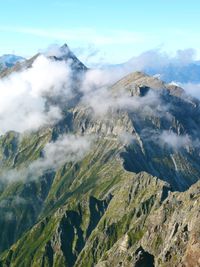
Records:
x=166, y=68
x=64, y=54
x=182, y=73
x=9, y=60
x=114, y=182
x=67, y=55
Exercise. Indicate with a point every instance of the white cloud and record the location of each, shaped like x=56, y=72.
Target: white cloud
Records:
x=127, y=138
x=102, y=98
x=173, y=140
x=22, y=95
x=68, y=148
x=192, y=89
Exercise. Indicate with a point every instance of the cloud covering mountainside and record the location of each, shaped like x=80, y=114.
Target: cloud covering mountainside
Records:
x=96, y=167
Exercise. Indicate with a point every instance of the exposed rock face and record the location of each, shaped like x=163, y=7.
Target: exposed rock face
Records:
x=132, y=200
x=169, y=235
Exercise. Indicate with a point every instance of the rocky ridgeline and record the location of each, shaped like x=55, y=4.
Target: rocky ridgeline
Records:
x=132, y=200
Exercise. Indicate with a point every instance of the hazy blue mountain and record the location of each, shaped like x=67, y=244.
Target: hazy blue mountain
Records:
x=9, y=60
x=168, y=69
x=176, y=73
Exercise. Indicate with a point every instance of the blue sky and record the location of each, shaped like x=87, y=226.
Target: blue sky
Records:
x=107, y=30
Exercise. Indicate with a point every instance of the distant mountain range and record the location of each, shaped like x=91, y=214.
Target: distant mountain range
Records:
x=169, y=70
x=113, y=181
x=9, y=60
x=189, y=73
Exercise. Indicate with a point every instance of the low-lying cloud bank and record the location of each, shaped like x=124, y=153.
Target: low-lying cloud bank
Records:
x=192, y=89
x=68, y=148
x=22, y=95
x=174, y=141
x=171, y=140
x=24, y=106
x=103, y=101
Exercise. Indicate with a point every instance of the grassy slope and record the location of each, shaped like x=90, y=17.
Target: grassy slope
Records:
x=95, y=211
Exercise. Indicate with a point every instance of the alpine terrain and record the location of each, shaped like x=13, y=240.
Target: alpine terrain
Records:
x=108, y=175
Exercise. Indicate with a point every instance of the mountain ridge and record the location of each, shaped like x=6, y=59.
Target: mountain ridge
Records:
x=132, y=196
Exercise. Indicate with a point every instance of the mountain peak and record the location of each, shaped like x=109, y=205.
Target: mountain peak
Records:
x=57, y=53
x=65, y=46
x=63, y=53
x=137, y=81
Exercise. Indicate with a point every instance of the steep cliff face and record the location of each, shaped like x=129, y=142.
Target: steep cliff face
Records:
x=169, y=236
x=112, y=183
x=124, y=220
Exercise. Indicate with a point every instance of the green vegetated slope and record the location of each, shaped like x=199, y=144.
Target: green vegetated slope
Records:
x=123, y=204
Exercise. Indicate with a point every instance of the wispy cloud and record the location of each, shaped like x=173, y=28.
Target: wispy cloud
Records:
x=192, y=89
x=85, y=35
x=175, y=141
x=67, y=148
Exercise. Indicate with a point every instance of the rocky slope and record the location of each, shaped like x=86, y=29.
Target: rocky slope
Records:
x=132, y=199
